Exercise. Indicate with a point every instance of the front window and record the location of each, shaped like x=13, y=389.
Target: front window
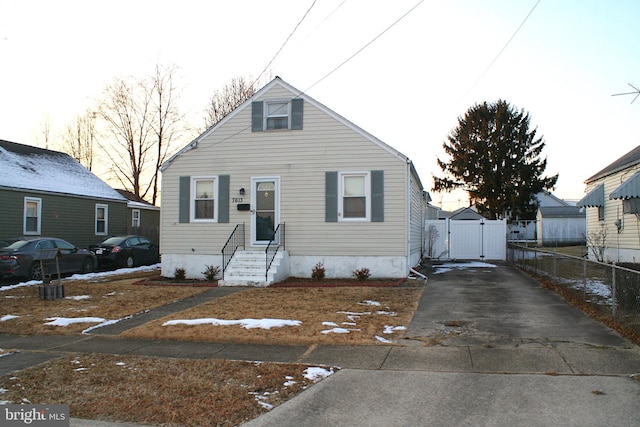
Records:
x=135, y=218
x=102, y=218
x=277, y=116
x=204, y=199
x=32, y=215
x=354, y=196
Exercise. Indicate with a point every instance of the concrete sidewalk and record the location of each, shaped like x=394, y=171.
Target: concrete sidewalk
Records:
x=486, y=347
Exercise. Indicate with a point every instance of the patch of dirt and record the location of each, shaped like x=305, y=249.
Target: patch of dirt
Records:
x=170, y=281
x=301, y=282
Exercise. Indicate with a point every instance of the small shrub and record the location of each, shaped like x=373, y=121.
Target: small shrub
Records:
x=317, y=273
x=210, y=272
x=180, y=273
x=362, y=273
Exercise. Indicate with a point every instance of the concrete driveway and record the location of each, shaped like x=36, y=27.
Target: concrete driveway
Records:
x=487, y=347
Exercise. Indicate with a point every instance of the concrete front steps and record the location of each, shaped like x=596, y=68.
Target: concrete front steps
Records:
x=247, y=268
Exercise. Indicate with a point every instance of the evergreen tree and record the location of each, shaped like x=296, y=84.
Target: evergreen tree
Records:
x=495, y=157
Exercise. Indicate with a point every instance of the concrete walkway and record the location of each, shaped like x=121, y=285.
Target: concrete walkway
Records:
x=487, y=346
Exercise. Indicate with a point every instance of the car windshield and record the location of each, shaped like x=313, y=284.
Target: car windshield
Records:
x=19, y=244
x=112, y=241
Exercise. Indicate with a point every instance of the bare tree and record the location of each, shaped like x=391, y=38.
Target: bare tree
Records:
x=597, y=243
x=126, y=111
x=165, y=118
x=79, y=138
x=43, y=134
x=143, y=117
x=228, y=99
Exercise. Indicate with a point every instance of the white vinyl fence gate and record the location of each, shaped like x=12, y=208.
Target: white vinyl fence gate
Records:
x=480, y=239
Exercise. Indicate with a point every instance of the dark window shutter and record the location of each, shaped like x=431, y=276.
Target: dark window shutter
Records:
x=331, y=196
x=257, y=116
x=297, y=107
x=223, y=198
x=377, y=196
x=184, y=199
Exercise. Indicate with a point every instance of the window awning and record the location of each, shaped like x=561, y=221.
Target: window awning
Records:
x=594, y=198
x=630, y=189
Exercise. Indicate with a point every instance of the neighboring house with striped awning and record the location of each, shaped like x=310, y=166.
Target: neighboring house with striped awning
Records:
x=613, y=208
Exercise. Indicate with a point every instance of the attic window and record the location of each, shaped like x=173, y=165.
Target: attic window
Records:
x=277, y=115
x=281, y=114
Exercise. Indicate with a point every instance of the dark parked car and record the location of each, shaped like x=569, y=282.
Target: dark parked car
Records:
x=21, y=258
x=126, y=251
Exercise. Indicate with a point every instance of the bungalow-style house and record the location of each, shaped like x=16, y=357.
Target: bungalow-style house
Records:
x=48, y=193
x=285, y=177
x=613, y=209
x=143, y=218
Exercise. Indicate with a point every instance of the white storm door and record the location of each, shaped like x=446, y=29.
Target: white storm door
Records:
x=265, y=208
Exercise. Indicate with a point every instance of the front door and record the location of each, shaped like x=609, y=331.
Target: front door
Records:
x=265, y=206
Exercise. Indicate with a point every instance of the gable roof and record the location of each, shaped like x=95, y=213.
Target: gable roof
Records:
x=562, y=212
x=136, y=202
x=37, y=169
x=295, y=94
x=546, y=198
x=624, y=162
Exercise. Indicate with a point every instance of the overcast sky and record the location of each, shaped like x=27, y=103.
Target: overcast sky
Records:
x=560, y=60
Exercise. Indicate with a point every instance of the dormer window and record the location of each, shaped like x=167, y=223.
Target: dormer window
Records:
x=277, y=116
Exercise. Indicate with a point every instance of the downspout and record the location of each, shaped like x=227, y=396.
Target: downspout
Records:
x=408, y=222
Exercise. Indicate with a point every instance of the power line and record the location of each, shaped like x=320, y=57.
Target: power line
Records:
x=285, y=42
x=332, y=71
x=503, y=49
x=367, y=45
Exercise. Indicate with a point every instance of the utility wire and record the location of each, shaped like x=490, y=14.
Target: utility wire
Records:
x=502, y=50
x=285, y=42
x=367, y=45
x=330, y=72
x=327, y=17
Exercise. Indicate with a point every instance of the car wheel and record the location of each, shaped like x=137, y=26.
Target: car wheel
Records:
x=35, y=272
x=87, y=265
x=129, y=261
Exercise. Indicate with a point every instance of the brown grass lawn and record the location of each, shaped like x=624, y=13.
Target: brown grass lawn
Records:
x=110, y=300
x=363, y=311
x=153, y=391
x=175, y=392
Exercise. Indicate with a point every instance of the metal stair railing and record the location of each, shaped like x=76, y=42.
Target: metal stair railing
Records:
x=271, y=250
x=235, y=241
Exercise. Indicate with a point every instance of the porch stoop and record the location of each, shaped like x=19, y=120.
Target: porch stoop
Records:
x=247, y=268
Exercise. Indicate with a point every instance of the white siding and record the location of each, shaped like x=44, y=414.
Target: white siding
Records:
x=622, y=246
x=416, y=221
x=300, y=160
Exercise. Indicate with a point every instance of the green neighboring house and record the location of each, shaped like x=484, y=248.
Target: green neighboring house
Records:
x=143, y=218
x=48, y=193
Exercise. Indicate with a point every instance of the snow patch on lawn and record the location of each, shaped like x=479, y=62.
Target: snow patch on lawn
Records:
x=87, y=276
x=316, y=373
x=8, y=317
x=245, y=323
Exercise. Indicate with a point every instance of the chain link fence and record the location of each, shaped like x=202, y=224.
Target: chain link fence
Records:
x=610, y=291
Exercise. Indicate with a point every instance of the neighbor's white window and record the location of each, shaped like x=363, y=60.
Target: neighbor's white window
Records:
x=135, y=218
x=277, y=115
x=102, y=219
x=354, y=203
x=204, y=199
x=32, y=215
